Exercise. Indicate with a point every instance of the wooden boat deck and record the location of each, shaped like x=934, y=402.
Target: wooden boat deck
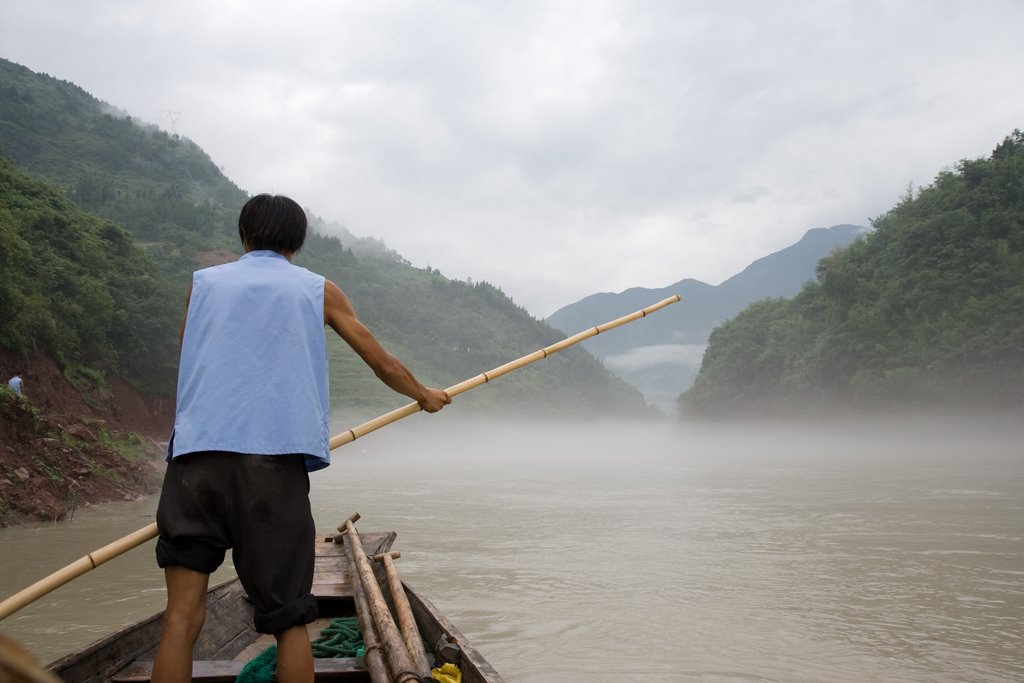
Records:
x=228, y=641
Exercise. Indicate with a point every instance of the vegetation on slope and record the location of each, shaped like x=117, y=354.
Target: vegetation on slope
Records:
x=927, y=310
x=167, y=193
x=161, y=188
x=448, y=331
x=49, y=469
x=79, y=289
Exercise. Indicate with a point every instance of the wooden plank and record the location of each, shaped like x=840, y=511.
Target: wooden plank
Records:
x=255, y=647
x=374, y=542
x=226, y=670
x=331, y=576
x=266, y=640
x=228, y=627
x=333, y=591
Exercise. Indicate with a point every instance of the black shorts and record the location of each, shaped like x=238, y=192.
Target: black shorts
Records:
x=257, y=505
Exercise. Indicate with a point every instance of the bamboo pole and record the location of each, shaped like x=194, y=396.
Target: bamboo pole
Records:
x=75, y=569
x=373, y=425
x=16, y=664
x=406, y=620
x=372, y=656
x=37, y=590
x=402, y=666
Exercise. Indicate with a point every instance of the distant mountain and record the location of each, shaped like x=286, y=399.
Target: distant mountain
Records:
x=662, y=355
x=926, y=312
x=179, y=213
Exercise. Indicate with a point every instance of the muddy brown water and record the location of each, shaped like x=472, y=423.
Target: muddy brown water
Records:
x=884, y=551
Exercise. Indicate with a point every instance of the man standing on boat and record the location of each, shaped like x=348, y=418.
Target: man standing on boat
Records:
x=250, y=424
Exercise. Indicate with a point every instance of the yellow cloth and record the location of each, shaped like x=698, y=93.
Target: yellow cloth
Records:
x=449, y=673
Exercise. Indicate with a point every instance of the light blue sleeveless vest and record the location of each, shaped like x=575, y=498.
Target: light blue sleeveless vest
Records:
x=253, y=370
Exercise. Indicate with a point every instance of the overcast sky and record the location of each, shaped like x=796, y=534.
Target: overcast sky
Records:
x=557, y=148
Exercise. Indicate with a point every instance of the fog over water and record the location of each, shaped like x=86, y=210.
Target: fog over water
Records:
x=651, y=551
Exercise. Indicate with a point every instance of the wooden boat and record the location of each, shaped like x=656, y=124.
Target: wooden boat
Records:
x=228, y=641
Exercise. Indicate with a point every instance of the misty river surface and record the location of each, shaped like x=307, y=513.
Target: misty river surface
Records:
x=885, y=551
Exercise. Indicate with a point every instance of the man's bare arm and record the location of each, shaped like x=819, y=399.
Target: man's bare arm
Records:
x=339, y=314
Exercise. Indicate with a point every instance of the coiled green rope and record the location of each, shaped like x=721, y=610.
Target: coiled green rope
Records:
x=340, y=638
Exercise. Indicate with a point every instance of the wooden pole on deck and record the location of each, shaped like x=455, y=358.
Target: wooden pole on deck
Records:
x=37, y=590
x=401, y=663
x=406, y=620
x=372, y=656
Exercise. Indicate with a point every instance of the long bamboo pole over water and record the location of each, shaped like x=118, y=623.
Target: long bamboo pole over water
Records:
x=92, y=560
x=373, y=425
x=75, y=569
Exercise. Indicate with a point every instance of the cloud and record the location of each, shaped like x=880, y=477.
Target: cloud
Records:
x=557, y=148
x=642, y=358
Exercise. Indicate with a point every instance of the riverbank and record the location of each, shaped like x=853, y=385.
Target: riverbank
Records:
x=63, y=448
x=50, y=467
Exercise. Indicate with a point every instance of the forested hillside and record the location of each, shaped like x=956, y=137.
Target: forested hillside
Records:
x=178, y=213
x=925, y=311
x=78, y=288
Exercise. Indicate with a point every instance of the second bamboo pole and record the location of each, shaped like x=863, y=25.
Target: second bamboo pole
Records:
x=372, y=656
x=402, y=666
x=406, y=620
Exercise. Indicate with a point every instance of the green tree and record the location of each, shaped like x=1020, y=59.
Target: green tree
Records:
x=928, y=309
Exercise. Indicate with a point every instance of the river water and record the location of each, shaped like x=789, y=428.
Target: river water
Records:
x=884, y=551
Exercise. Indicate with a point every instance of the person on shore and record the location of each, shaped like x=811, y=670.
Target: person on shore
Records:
x=250, y=424
x=17, y=384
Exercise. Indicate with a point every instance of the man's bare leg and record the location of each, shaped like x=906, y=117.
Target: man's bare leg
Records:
x=294, y=655
x=183, y=620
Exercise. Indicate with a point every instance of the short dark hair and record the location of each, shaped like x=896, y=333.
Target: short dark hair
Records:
x=272, y=222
